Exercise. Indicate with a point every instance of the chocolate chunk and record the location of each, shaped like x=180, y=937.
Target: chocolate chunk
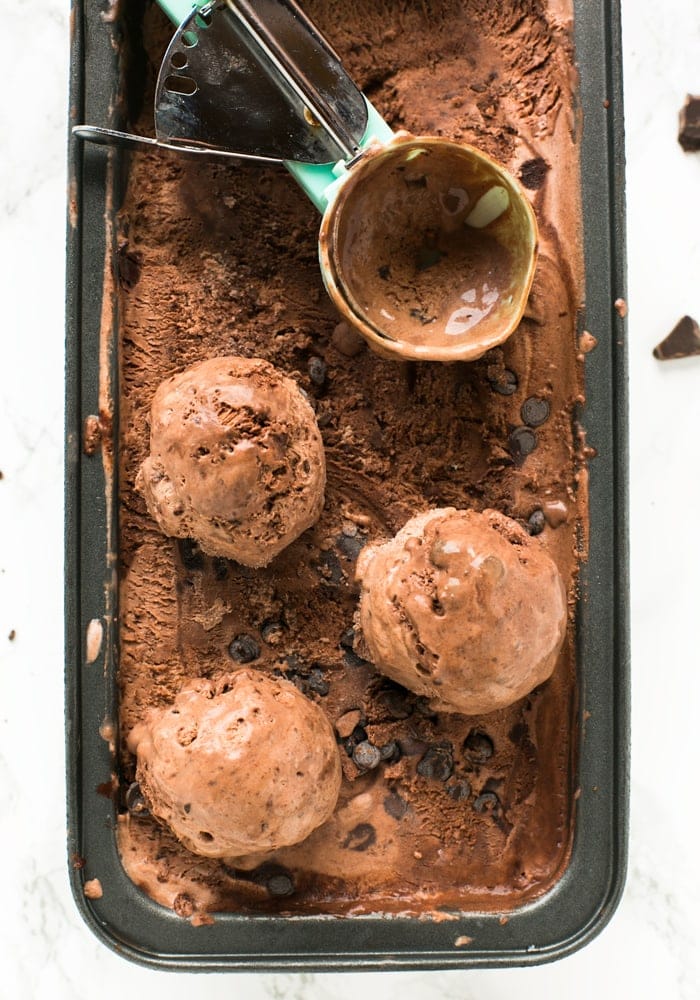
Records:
x=682, y=342
x=360, y=837
x=533, y=172
x=190, y=554
x=505, y=384
x=689, y=124
x=135, y=802
x=366, y=755
x=534, y=411
x=318, y=369
x=436, y=764
x=459, y=790
x=244, y=649
x=536, y=522
x=384, y=272
x=522, y=442
x=478, y=747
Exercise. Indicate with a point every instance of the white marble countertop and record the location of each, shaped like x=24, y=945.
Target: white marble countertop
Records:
x=650, y=949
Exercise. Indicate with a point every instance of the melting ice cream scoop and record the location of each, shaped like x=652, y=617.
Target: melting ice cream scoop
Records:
x=427, y=246
x=242, y=765
x=236, y=459
x=464, y=608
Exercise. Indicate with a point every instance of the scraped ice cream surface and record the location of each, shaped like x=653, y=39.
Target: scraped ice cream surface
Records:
x=236, y=461
x=464, y=608
x=455, y=796
x=241, y=766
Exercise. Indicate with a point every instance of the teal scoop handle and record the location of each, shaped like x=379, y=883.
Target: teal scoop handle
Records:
x=317, y=179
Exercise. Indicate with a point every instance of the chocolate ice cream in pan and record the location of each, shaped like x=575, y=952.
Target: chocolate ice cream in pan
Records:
x=457, y=838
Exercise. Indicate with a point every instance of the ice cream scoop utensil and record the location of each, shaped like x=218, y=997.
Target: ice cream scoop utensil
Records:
x=429, y=263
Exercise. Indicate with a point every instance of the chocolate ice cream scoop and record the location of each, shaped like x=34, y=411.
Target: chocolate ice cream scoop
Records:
x=242, y=765
x=464, y=608
x=236, y=460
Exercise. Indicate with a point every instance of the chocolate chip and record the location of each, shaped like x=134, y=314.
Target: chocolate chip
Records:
x=357, y=736
x=280, y=885
x=360, y=837
x=351, y=547
x=522, y=442
x=533, y=172
x=396, y=702
x=436, y=764
x=478, y=747
x=534, y=411
x=366, y=755
x=459, y=790
x=421, y=316
x=135, y=802
x=244, y=649
x=424, y=708
x=276, y=879
x=318, y=369
x=390, y=752
x=351, y=659
x=347, y=639
x=316, y=682
x=190, y=554
x=395, y=806
x=505, y=384
x=536, y=522
x=384, y=272
x=272, y=632
x=487, y=802
x=330, y=568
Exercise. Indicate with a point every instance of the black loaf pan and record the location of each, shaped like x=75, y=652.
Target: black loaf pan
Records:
x=583, y=899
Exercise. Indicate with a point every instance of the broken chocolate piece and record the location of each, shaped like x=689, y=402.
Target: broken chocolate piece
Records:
x=689, y=124
x=682, y=342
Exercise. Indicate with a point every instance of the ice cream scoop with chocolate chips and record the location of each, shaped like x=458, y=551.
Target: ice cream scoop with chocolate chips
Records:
x=243, y=765
x=236, y=459
x=464, y=608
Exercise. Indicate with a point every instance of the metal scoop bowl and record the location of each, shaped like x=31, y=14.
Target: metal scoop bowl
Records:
x=428, y=249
